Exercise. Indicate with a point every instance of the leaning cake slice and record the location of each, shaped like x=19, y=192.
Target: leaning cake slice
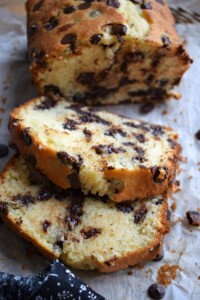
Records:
x=99, y=152
x=84, y=232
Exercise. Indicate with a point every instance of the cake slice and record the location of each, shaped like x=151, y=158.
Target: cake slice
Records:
x=105, y=52
x=99, y=152
x=84, y=232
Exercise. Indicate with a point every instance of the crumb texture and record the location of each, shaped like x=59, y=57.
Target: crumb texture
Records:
x=85, y=232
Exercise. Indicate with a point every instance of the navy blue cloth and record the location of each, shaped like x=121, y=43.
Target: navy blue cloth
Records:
x=55, y=282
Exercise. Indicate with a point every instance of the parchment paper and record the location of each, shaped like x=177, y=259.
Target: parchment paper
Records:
x=182, y=245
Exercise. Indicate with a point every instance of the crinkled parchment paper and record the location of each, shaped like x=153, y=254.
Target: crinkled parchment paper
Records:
x=182, y=245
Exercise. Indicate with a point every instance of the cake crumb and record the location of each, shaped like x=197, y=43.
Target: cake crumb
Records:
x=173, y=206
x=167, y=273
x=130, y=273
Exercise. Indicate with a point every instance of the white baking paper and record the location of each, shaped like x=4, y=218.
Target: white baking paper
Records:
x=182, y=245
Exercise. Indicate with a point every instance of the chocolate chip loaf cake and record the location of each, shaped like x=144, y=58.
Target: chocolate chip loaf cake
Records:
x=99, y=152
x=104, y=51
x=84, y=232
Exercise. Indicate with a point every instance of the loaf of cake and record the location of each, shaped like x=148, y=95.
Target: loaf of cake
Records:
x=99, y=152
x=85, y=232
x=104, y=52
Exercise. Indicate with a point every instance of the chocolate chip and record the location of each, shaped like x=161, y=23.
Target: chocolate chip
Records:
x=107, y=149
x=88, y=134
x=30, y=160
x=139, y=159
x=160, y=256
x=168, y=215
x=51, y=90
x=32, y=30
x=197, y=135
x=90, y=117
x=114, y=131
x=25, y=199
x=44, y=195
x=65, y=158
x=83, y=6
x=59, y=244
x=156, y=291
x=139, y=150
x=25, y=137
x=147, y=108
x=158, y=202
x=45, y=225
x=163, y=82
x=193, y=218
x=125, y=80
x=113, y=3
x=140, y=215
x=3, y=150
x=69, y=9
x=47, y=103
x=95, y=39
x=90, y=232
x=124, y=207
x=157, y=130
x=149, y=79
x=38, y=5
x=86, y=78
x=128, y=144
x=37, y=57
x=160, y=174
x=166, y=41
x=4, y=208
x=51, y=24
x=119, y=30
x=140, y=138
x=136, y=56
x=70, y=125
x=74, y=180
x=70, y=39
x=74, y=214
x=172, y=143
x=36, y=178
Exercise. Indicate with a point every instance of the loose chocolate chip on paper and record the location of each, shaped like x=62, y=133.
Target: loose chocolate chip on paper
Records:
x=156, y=291
x=193, y=218
x=197, y=135
x=147, y=108
x=4, y=150
x=113, y=3
x=95, y=39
